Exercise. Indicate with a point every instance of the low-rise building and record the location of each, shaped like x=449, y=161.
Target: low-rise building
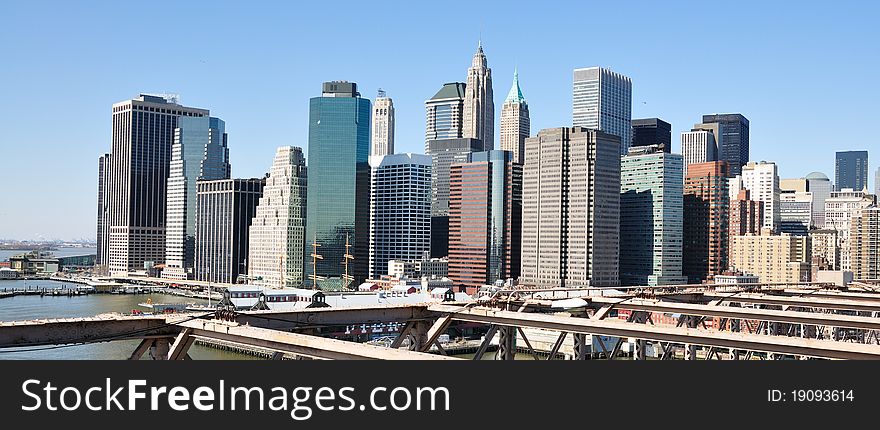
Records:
x=773, y=258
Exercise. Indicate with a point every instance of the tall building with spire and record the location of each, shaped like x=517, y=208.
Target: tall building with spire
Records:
x=382, y=139
x=515, y=122
x=479, y=107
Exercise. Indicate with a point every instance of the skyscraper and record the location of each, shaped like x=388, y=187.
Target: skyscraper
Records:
x=706, y=206
x=485, y=208
x=698, y=146
x=444, y=153
x=140, y=159
x=841, y=208
x=652, y=131
x=795, y=212
x=732, y=138
x=103, y=233
x=515, y=122
x=444, y=113
x=400, y=209
x=651, y=211
x=851, y=170
x=761, y=179
x=479, y=104
x=225, y=210
x=339, y=184
x=571, y=208
x=877, y=183
x=865, y=244
x=820, y=186
x=199, y=153
x=602, y=100
x=276, y=240
x=382, y=142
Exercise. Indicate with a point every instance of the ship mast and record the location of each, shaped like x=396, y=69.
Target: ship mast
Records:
x=345, y=258
x=315, y=257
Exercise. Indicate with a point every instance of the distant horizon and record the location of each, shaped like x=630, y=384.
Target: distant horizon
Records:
x=806, y=93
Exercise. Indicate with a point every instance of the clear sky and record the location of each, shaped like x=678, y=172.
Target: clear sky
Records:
x=804, y=73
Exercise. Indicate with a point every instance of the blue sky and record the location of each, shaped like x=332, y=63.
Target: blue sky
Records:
x=804, y=73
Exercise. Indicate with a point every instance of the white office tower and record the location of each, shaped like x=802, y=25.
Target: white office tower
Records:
x=479, y=106
x=277, y=233
x=762, y=181
x=382, y=138
x=571, y=209
x=840, y=210
x=698, y=146
x=602, y=100
x=199, y=153
x=515, y=122
x=400, y=209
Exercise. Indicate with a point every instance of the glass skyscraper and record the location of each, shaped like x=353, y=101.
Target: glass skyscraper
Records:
x=339, y=184
x=851, y=170
x=444, y=113
x=732, y=137
x=602, y=100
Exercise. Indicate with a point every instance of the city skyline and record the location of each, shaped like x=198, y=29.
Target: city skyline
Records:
x=770, y=94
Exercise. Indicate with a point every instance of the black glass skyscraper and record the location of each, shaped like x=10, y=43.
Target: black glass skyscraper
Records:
x=652, y=131
x=338, y=207
x=733, y=143
x=851, y=170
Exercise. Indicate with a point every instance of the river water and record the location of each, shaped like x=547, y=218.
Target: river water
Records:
x=35, y=307
x=59, y=252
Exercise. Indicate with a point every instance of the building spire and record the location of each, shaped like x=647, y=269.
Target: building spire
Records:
x=515, y=95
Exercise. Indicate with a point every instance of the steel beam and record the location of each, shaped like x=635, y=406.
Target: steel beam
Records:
x=807, y=302
x=83, y=330
x=281, y=320
x=300, y=344
x=681, y=335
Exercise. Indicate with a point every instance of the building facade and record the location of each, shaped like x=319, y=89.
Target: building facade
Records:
x=602, y=100
x=382, y=140
x=652, y=131
x=865, y=244
x=840, y=209
x=400, y=209
x=103, y=232
x=224, y=214
x=276, y=239
x=821, y=187
x=199, y=153
x=825, y=249
x=444, y=153
x=732, y=138
x=140, y=160
x=795, y=212
x=746, y=215
x=479, y=104
x=697, y=147
x=651, y=209
x=515, y=122
x=762, y=181
x=485, y=210
x=851, y=170
x=571, y=209
x=781, y=258
x=706, y=215
x=444, y=114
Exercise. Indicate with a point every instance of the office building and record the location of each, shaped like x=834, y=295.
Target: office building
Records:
x=224, y=213
x=746, y=215
x=865, y=244
x=479, y=104
x=851, y=170
x=444, y=153
x=825, y=249
x=382, y=140
x=140, y=160
x=276, y=240
x=103, y=231
x=732, y=135
x=762, y=181
x=652, y=131
x=444, y=114
x=426, y=267
x=602, y=100
x=485, y=209
x=795, y=212
x=515, y=122
x=840, y=210
x=697, y=147
x=400, y=209
x=199, y=153
x=706, y=215
x=339, y=185
x=877, y=182
x=651, y=193
x=571, y=209
x=820, y=186
x=781, y=258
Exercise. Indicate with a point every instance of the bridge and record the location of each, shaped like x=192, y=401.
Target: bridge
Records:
x=803, y=321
